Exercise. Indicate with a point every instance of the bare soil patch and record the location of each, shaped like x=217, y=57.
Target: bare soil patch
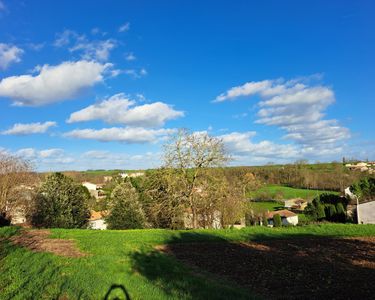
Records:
x=39, y=241
x=298, y=268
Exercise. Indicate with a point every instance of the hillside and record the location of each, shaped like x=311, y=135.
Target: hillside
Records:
x=255, y=262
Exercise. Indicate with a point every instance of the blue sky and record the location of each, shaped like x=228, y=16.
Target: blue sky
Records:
x=102, y=84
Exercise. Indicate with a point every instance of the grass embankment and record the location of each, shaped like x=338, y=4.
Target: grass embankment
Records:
x=129, y=258
x=279, y=192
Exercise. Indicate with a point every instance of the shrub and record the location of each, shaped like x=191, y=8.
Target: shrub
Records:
x=61, y=203
x=126, y=211
x=331, y=212
x=341, y=213
x=277, y=221
x=320, y=213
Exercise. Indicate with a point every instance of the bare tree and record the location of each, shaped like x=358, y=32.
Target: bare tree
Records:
x=16, y=178
x=188, y=154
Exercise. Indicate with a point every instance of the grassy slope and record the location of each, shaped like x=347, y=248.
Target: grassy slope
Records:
x=285, y=192
x=128, y=258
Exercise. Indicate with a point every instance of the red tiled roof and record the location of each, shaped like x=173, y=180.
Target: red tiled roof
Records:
x=283, y=213
x=97, y=215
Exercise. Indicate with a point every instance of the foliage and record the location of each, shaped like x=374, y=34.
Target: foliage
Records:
x=364, y=189
x=277, y=220
x=327, y=207
x=61, y=203
x=125, y=209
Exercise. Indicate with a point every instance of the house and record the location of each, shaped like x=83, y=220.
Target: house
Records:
x=97, y=220
x=366, y=213
x=287, y=217
x=213, y=221
x=94, y=189
x=297, y=204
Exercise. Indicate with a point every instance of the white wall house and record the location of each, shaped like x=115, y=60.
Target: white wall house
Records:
x=97, y=221
x=94, y=189
x=287, y=217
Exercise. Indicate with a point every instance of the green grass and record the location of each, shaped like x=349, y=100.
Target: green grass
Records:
x=278, y=192
x=129, y=258
x=263, y=206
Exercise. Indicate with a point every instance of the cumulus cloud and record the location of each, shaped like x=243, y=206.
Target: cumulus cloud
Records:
x=129, y=135
x=46, y=157
x=119, y=109
x=53, y=83
x=240, y=144
x=298, y=107
x=29, y=128
x=9, y=54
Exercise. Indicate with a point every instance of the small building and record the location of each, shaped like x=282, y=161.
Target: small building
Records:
x=297, y=204
x=213, y=221
x=94, y=189
x=287, y=217
x=97, y=220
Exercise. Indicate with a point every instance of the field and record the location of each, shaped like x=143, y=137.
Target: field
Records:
x=279, y=192
x=252, y=263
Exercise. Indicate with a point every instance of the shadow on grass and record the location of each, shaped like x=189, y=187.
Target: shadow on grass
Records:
x=204, y=266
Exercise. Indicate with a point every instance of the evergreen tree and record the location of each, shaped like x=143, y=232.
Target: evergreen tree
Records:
x=61, y=203
x=277, y=221
x=125, y=209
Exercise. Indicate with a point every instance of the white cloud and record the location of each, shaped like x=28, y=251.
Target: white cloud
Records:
x=118, y=109
x=47, y=153
x=98, y=50
x=297, y=107
x=135, y=73
x=9, y=54
x=64, y=38
x=130, y=135
x=130, y=57
x=125, y=27
x=53, y=83
x=30, y=128
x=47, y=157
x=240, y=144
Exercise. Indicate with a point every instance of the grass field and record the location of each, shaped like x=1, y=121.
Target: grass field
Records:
x=129, y=258
x=278, y=192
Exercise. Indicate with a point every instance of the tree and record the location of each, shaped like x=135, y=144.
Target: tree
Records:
x=125, y=209
x=277, y=220
x=187, y=155
x=364, y=189
x=61, y=203
x=16, y=181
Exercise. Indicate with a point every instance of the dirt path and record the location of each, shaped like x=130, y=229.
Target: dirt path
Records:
x=302, y=268
x=39, y=241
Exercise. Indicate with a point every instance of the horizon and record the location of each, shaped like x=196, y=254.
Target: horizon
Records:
x=102, y=85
